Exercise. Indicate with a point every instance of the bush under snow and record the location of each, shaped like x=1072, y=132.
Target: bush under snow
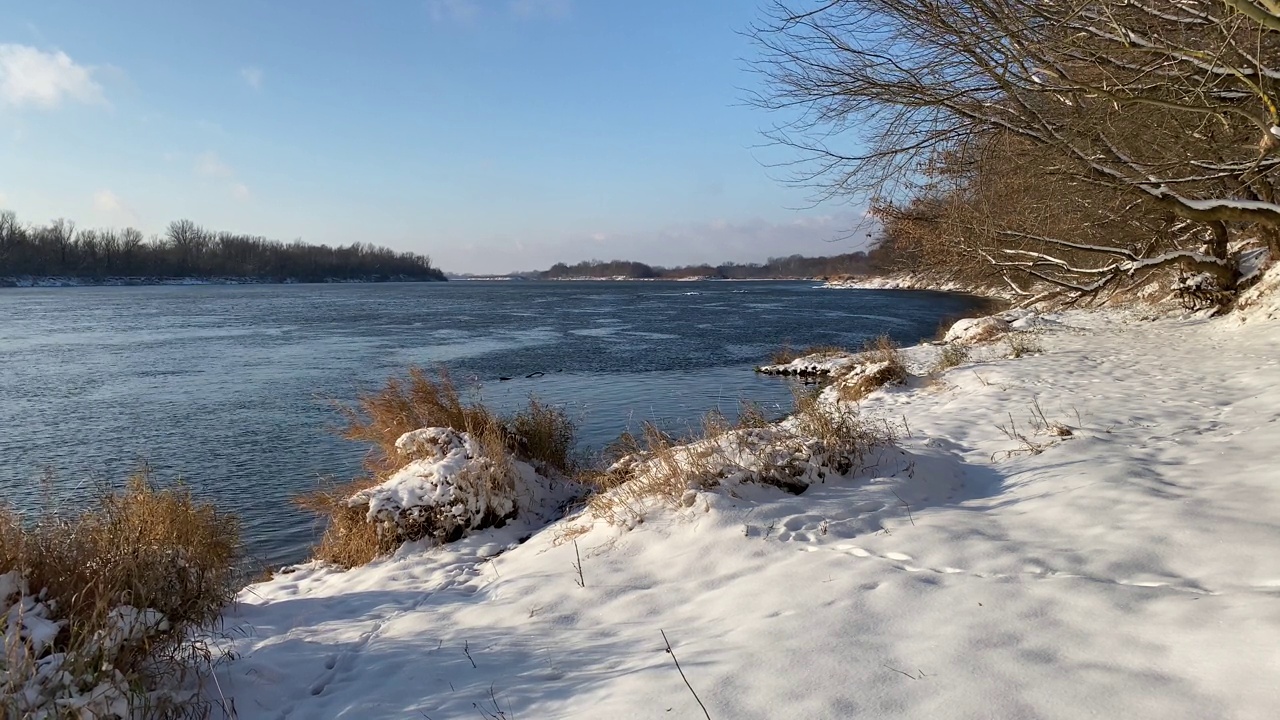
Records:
x=37, y=683
x=968, y=331
x=450, y=485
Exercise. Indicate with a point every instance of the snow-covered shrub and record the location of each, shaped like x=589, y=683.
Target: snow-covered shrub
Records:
x=969, y=331
x=450, y=484
x=98, y=608
x=861, y=380
x=498, y=452
x=817, y=442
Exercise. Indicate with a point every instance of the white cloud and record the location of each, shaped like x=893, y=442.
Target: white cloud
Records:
x=30, y=77
x=4, y=199
x=105, y=201
x=109, y=209
x=240, y=191
x=540, y=8
x=453, y=10
x=253, y=76
x=210, y=165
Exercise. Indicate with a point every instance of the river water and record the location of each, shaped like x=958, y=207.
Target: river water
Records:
x=231, y=387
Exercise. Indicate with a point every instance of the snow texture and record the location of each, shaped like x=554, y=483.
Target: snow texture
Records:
x=989, y=566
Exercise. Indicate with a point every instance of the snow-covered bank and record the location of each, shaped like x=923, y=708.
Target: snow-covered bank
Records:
x=905, y=281
x=989, y=565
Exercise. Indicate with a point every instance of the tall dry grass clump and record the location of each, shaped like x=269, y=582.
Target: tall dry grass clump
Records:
x=349, y=539
x=402, y=405
x=540, y=434
x=147, y=547
x=882, y=365
x=544, y=435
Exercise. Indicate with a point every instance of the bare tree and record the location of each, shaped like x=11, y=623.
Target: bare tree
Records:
x=1169, y=105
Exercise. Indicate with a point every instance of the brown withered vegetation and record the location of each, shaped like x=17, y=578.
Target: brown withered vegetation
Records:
x=146, y=546
x=540, y=434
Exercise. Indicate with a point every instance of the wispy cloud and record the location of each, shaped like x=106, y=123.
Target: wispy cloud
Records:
x=252, y=76
x=106, y=201
x=209, y=165
x=110, y=208
x=30, y=77
x=453, y=10
x=540, y=8
x=468, y=11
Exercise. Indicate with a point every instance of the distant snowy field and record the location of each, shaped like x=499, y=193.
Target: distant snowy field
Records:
x=1091, y=532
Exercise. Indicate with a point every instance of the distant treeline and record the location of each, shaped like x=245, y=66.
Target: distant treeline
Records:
x=793, y=266
x=188, y=250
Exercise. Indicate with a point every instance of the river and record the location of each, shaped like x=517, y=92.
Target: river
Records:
x=232, y=388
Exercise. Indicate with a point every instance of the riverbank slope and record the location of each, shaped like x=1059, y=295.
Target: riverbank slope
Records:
x=1090, y=531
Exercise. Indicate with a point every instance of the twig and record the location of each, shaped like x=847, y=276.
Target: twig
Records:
x=900, y=672
x=905, y=505
x=581, y=581
x=466, y=648
x=672, y=653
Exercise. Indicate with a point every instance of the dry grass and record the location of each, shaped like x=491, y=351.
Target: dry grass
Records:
x=655, y=466
x=952, y=354
x=888, y=368
x=671, y=468
x=402, y=405
x=545, y=435
x=884, y=350
x=540, y=434
x=144, y=546
x=1023, y=343
x=349, y=539
x=840, y=433
x=751, y=415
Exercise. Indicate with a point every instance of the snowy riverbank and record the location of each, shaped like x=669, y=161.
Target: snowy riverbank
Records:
x=901, y=281
x=1091, y=531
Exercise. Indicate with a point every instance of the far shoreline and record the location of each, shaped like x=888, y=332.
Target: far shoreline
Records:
x=63, y=281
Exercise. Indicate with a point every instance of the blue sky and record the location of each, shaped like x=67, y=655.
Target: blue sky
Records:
x=493, y=135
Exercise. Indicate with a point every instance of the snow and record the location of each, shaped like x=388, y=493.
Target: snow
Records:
x=1087, y=532
x=38, y=683
x=967, y=331
x=824, y=363
x=899, y=281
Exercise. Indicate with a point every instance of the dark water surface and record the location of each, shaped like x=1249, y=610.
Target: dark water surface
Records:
x=229, y=386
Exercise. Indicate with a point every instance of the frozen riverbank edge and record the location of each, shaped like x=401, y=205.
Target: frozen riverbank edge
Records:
x=985, y=565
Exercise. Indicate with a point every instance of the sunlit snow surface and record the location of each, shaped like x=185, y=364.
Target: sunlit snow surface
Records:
x=1128, y=569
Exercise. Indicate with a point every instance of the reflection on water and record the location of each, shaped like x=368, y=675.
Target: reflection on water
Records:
x=231, y=387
